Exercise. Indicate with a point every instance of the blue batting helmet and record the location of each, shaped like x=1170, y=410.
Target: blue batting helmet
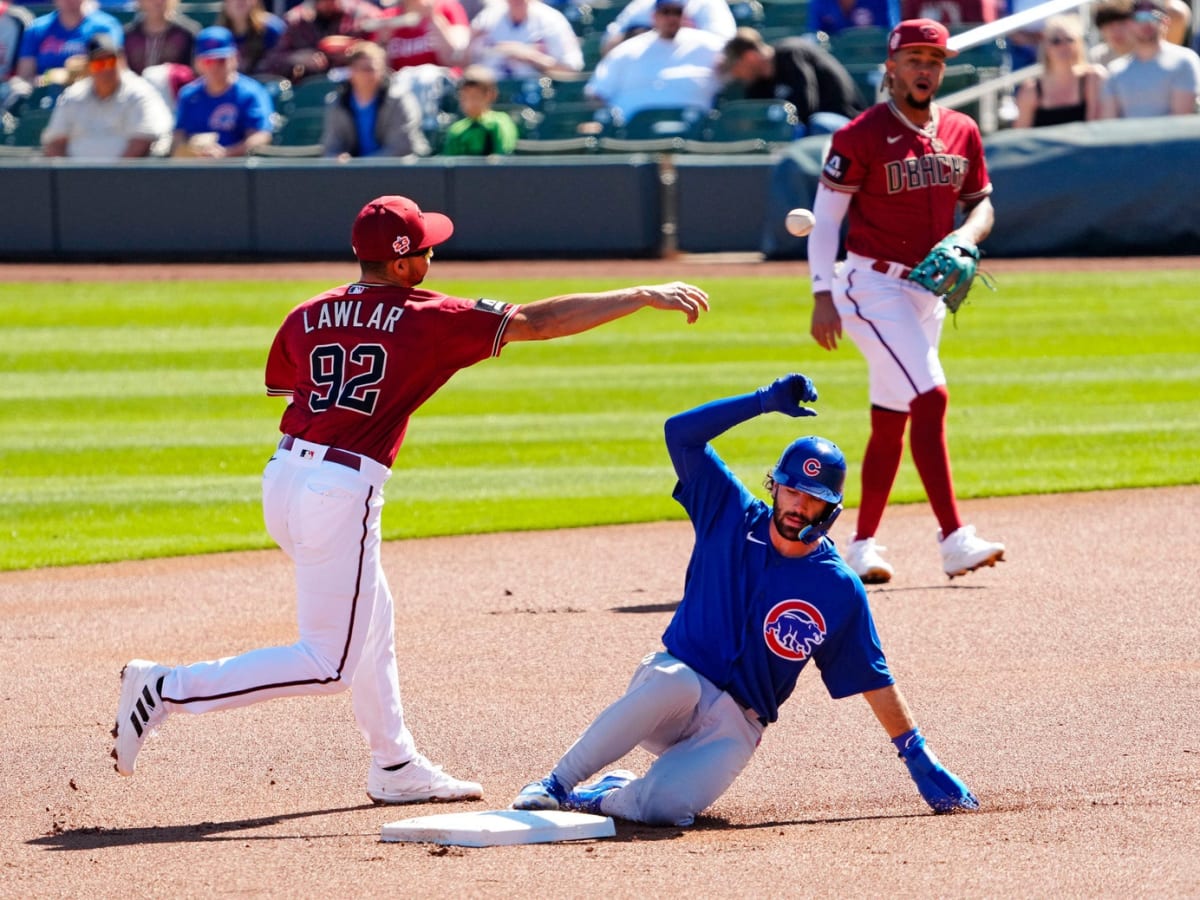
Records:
x=812, y=465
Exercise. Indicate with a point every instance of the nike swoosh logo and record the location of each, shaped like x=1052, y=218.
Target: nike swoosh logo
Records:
x=893, y=140
x=750, y=537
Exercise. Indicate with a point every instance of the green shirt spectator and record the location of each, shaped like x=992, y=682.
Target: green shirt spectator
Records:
x=492, y=132
x=482, y=131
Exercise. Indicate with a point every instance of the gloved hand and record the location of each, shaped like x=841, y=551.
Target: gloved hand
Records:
x=943, y=790
x=785, y=395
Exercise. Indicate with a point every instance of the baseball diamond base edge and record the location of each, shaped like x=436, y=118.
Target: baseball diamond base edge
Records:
x=498, y=827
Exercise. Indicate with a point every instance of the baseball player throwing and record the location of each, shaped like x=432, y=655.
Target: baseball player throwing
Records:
x=765, y=592
x=901, y=169
x=354, y=364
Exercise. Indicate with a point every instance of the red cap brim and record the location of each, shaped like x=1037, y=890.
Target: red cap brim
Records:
x=438, y=228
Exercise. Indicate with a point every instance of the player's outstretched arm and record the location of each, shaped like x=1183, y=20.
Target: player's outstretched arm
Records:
x=941, y=789
x=569, y=314
x=688, y=432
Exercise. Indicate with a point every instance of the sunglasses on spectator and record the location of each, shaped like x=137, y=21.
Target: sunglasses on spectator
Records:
x=670, y=10
x=1061, y=39
x=104, y=64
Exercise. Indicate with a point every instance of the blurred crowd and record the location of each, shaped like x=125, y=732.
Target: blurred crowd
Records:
x=415, y=78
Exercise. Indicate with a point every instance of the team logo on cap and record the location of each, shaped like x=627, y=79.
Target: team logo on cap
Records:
x=895, y=42
x=401, y=244
x=793, y=629
x=930, y=33
x=812, y=467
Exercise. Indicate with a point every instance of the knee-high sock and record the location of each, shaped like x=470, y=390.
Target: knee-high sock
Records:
x=932, y=456
x=881, y=462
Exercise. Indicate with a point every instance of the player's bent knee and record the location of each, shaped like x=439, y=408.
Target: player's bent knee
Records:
x=676, y=684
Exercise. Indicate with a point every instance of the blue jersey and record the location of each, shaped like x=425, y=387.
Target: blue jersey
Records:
x=244, y=108
x=751, y=619
x=50, y=44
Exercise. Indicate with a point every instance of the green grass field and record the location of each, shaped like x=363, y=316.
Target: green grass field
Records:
x=133, y=422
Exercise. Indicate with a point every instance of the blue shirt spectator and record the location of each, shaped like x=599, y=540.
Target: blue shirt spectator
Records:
x=222, y=113
x=52, y=38
x=832, y=16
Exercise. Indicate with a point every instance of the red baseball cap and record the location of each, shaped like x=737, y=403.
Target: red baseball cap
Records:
x=390, y=227
x=920, y=33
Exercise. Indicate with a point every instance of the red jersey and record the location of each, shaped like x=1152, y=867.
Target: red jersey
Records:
x=357, y=361
x=906, y=181
x=410, y=45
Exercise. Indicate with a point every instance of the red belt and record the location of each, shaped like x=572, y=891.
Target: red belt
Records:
x=885, y=268
x=332, y=454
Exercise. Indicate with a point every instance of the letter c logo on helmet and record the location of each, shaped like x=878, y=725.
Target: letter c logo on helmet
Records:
x=818, y=468
x=812, y=465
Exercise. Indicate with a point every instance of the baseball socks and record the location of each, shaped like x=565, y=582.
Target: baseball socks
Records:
x=881, y=462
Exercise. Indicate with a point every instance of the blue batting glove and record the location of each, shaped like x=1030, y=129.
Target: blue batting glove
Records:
x=785, y=395
x=943, y=790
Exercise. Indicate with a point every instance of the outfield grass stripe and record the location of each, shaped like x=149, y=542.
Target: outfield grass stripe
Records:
x=134, y=423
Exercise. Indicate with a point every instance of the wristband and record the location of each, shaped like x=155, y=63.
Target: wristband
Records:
x=909, y=742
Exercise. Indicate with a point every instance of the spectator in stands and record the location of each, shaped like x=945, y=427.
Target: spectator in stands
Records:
x=424, y=32
x=255, y=30
x=368, y=119
x=1068, y=90
x=951, y=13
x=159, y=34
x=51, y=39
x=223, y=112
x=13, y=22
x=638, y=16
x=1023, y=43
x=524, y=38
x=113, y=113
x=832, y=16
x=1114, y=20
x=668, y=67
x=482, y=131
x=799, y=71
x=1179, y=22
x=319, y=36
x=1158, y=78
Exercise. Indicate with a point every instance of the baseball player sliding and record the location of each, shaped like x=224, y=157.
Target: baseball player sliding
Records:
x=900, y=170
x=354, y=364
x=765, y=592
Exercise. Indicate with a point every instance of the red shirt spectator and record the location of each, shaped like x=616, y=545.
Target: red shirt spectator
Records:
x=422, y=32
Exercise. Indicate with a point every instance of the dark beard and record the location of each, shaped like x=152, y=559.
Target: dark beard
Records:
x=786, y=531
x=918, y=104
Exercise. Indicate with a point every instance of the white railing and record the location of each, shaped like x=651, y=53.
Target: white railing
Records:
x=991, y=92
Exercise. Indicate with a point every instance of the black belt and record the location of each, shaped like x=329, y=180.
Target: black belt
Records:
x=332, y=454
x=885, y=268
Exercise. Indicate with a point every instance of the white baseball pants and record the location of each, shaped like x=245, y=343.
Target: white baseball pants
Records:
x=896, y=325
x=326, y=517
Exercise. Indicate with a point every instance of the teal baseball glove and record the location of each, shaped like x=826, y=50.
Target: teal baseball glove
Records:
x=948, y=270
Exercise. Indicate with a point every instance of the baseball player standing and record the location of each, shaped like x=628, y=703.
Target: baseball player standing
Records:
x=765, y=592
x=901, y=170
x=355, y=363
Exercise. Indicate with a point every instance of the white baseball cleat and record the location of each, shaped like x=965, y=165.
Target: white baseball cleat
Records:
x=417, y=781
x=140, y=711
x=863, y=557
x=963, y=551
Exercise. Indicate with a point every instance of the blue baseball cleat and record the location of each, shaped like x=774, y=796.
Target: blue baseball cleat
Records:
x=546, y=794
x=587, y=799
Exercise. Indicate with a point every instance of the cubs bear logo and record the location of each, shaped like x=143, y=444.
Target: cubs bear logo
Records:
x=793, y=629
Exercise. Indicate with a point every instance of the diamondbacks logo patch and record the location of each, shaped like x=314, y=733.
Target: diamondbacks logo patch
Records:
x=401, y=244
x=793, y=629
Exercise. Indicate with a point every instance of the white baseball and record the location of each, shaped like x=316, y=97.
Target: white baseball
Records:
x=799, y=222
